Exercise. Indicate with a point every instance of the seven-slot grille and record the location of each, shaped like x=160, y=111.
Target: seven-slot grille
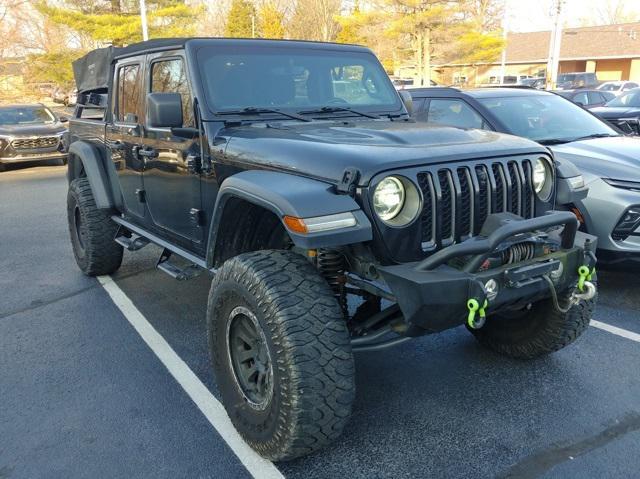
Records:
x=458, y=200
x=34, y=143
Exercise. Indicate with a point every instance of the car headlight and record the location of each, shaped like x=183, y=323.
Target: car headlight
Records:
x=542, y=179
x=396, y=201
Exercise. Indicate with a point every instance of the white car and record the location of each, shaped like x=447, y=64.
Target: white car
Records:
x=617, y=87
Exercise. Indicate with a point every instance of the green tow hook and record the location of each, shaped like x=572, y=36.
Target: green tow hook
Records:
x=584, y=275
x=474, y=307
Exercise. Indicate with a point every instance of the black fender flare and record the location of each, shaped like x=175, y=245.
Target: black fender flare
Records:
x=94, y=168
x=290, y=195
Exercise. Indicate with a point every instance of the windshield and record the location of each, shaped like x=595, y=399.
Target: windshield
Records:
x=294, y=79
x=631, y=99
x=610, y=87
x=25, y=115
x=545, y=117
x=566, y=78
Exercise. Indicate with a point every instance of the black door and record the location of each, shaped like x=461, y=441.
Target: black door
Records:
x=123, y=135
x=172, y=188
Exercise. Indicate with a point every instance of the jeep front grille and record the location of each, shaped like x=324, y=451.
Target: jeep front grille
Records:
x=457, y=201
x=35, y=143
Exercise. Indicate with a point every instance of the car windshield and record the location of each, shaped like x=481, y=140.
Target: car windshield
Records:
x=566, y=77
x=295, y=80
x=610, y=87
x=545, y=117
x=25, y=115
x=631, y=99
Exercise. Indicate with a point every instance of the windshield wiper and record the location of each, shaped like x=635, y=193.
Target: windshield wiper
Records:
x=333, y=109
x=250, y=110
x=595, y=135
x=553, y=141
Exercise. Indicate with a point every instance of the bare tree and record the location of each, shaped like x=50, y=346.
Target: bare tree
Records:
x=315, y=20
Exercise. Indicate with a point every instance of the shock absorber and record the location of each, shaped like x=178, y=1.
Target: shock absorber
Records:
x=331, y=265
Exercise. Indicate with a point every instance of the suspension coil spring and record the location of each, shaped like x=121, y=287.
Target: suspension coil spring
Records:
x=518, y=252
x=331, y=265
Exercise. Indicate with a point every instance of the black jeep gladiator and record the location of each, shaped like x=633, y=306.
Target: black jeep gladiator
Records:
x=330, y=222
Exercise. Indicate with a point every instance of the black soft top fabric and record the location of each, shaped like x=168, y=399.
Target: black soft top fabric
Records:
x=92, y=71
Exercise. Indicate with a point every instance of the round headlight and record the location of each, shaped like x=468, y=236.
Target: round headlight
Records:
x=542, y=179
x=388, y=198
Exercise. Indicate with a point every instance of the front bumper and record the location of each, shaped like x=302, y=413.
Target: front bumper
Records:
x=432, y=295
x=24, y=157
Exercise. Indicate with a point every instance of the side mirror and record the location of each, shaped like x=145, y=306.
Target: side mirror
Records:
x=63, y=119
x=164, y=110
x=579, y=103
x=405, y=96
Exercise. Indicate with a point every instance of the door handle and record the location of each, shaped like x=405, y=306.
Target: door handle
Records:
x=148, y=153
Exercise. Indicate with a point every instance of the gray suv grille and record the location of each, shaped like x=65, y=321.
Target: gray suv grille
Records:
x=34, y=143
x=458, y=200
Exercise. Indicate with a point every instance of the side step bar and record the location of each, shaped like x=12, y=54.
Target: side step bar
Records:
x=141, y=238
x=181, y=274
x=133, y=243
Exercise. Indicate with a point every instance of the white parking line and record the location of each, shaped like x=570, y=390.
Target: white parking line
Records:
x=615, y=330
x=213, y=410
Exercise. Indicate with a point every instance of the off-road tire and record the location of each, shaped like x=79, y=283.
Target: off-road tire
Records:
x=92, y=239
x=541, y=331
x=309, y=347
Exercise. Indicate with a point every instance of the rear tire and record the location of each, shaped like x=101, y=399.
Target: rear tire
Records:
x=281, y=353
x=92, y=232
x=540, y=331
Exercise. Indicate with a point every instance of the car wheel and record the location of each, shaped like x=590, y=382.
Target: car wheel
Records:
x=92, y=232
x=281, y=353
x=536, y=331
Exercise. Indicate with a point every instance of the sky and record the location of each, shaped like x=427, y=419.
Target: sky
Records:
x=536, y=15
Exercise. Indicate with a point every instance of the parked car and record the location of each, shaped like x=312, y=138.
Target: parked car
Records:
x=571, y=81
x=623, y=112
x=538, y=83
x=301, y=202
x=609, y=162
x=403, y=83
x=617, y=87
x=587, y=98
x=31, y=133
x=65, y=96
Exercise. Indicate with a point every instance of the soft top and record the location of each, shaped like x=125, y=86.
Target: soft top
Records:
x=92, y=71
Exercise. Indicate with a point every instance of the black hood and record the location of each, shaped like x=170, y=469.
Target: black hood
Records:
x=608, y=112
x=38, y=129
x=324, y=149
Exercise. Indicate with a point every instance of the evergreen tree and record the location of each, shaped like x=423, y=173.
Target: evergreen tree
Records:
x=271, y=24
x=241, y=20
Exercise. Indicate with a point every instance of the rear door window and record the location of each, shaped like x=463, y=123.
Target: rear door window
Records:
x=129, y=94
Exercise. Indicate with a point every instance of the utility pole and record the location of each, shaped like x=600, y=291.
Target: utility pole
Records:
x=554, y=47
x=143, y=18
x=503, y=59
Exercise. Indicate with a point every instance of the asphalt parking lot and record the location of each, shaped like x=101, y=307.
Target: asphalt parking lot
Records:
x=83, y=395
